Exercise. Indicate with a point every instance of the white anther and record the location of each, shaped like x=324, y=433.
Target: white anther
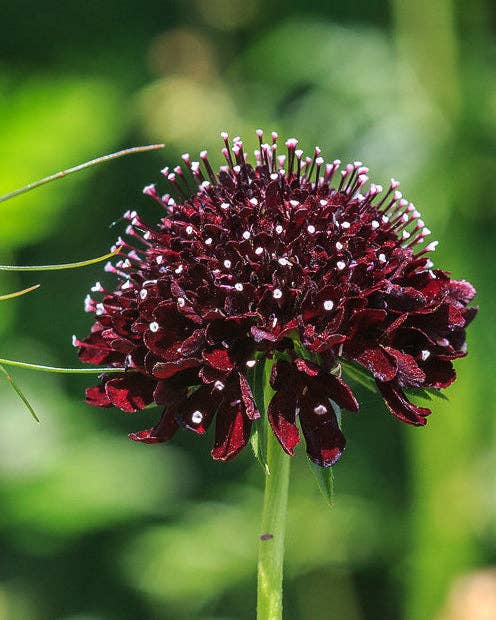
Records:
x=320, y=410
x=189, y=230
x=432, y=246
x=254, y=201
x=283, y=261
x=274, y=176
x=425, y=232
x=340, y=265
x=196, y=417
x=258, y=251
x=291, y=143
x=311, y=229
x=143, y=293
x=181, y=302
x=154, y=327
x=328, y=304
x=99, y=309
x=227, y=263
x=345, y=225
x=238, y=286
x=178, y=269
x=251, y=363
x=208, y=241
x=339, y=245
x=425, y=354
x=97, y=288
x=385, y=219
x=294, y=203
x=323, y=203
x=147, y=235
x=277, y=294
x=375, y=224
x=279, y=229
x=126, y=285
x=246, y=234
x=405, y=235
x=225, y=205
x=397, y=196
x=159, y=260
x=218, y=385
x=88, y=304
x=382, y=258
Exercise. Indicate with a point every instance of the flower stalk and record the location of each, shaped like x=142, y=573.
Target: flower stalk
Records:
x=273, y=525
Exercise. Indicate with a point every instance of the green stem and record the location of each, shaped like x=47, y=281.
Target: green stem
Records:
x=67, y=371
x=88, y=164
x=271, y=546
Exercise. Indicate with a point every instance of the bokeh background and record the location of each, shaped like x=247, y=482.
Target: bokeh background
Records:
x=95, y=527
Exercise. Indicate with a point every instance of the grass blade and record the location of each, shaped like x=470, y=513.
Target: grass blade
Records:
x=19, y=393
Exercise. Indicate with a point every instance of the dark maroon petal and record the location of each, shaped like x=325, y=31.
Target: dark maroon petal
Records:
x=164, y=430
x=248, y=400
x=165, y=370
x=400, y=406
x=131, y=392
x=260, y=334
x=338, y=391
x=282, y=417
x=439, y=373
x=462, y=291
x=196, y=412
x=219, y=359
x=97, y=396
x=309, y=368
x=409, y=373
x=324, y=439
x=382, y=365
x=232, y=431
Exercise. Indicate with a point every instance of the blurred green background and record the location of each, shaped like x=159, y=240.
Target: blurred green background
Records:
x=95, y=527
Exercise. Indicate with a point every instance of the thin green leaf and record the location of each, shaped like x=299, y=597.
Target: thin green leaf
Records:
x=19, y=393
x=258, y=437
x=325, y=480
x=67, y=371
x=425, y=395
x=88, y=164
x=83, y=263
x=19, y=293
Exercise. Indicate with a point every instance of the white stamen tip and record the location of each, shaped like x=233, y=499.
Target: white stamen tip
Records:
x=339, y=245
x=375, y=224
x=345, y=225
x=254, y=201
x=425, y=354
x=277, y=294
x=218, y=385
x=154, y=327
x=311, y=229
x=238, y=286
x=320, y=410
x=189, y=230
x=196, y=417
x=382, y=258
x=328, y=304
x=181, y=302
x=225, y=205
x=143, y=293
x=208, y=241
x=227, y=263
x=251, y=363
x=279, y=229
x=246, y=234
x=340, y=265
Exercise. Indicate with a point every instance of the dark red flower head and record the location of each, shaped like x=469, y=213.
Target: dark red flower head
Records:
x=290, y=260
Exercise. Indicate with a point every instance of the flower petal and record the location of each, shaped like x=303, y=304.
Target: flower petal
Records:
x=232, y=431
x=131, y=392
x=97, y=396
x=164, y=430
x=400, y=406
x=324, y=439
x=282, y=417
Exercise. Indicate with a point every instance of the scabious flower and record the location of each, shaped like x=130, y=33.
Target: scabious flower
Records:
x=291, y=260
